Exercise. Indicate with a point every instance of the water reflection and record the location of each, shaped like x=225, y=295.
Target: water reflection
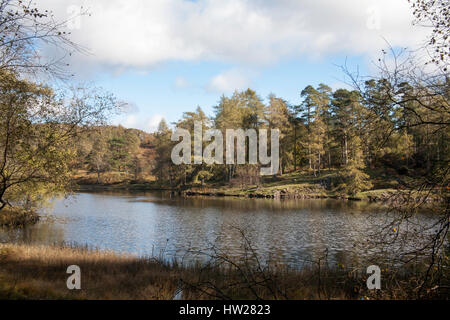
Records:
x=287, y=231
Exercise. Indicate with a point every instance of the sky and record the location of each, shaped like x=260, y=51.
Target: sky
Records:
x=165, y=57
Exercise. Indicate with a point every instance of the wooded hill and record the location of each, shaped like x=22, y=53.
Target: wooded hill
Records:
x=359, y=136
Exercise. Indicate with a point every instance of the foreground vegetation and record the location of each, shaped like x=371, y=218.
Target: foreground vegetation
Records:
x=32, y=272
x=18, y=218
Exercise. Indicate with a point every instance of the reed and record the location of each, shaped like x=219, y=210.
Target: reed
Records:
x=39, y=272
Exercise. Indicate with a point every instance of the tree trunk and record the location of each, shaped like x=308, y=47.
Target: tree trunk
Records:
x=281, y=166
x=3, y=203
x=309, y=154
x=295, y=148
x=346, y=150
x=329, y=160
x=319, y=163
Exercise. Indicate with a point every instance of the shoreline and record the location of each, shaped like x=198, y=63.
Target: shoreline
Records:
x=388, y=196
x=293, y=185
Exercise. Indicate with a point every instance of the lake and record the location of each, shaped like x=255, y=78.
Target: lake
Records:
x=291, y=232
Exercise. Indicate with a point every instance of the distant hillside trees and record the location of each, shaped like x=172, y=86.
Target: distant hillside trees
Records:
x=350, y=130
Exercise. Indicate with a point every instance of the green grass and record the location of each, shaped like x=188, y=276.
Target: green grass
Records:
x=300, y=184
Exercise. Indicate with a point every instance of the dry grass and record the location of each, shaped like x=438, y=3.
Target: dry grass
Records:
x=40, y=273
x=34, y=272
x=84, y=177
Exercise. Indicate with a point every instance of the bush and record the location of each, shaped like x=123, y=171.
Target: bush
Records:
x=354, y=180
x=17, y=218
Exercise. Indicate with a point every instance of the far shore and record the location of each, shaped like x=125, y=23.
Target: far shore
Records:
x=255, y=192
x=295, y=185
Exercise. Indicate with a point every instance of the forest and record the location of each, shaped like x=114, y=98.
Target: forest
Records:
x=357, y=136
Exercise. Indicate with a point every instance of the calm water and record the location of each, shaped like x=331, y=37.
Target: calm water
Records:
x=289, y=232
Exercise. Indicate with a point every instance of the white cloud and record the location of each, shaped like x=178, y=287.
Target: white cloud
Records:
x=181, y=83
x=131, y=121
x=228, y=82
x=130, y=108
x=137, y=121
x=153, y=122
x=141, y=34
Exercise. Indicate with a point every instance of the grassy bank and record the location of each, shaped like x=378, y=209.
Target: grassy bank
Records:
x=298, y=185
x=32, y=272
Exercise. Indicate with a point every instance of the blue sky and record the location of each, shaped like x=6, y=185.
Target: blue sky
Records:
x=176, y=87
x=169, y=56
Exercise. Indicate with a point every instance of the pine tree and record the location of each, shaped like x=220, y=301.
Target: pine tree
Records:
x=278, y=117
x=355, y=179
x=163, y=162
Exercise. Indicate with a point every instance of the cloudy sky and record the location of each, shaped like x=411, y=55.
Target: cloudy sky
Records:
x=169, y=56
